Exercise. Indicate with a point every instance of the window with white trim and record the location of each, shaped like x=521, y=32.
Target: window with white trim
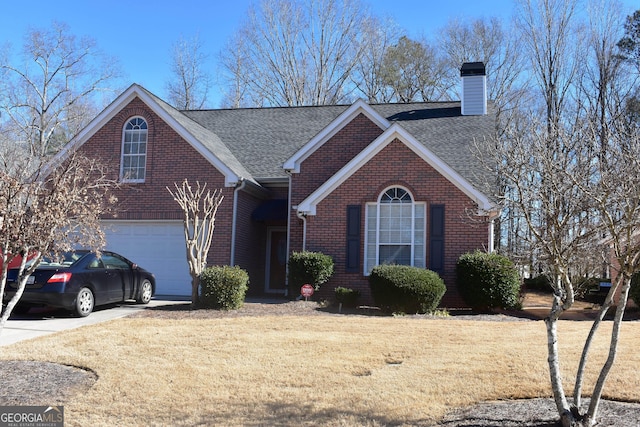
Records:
x=395, y=227
x=134, y=151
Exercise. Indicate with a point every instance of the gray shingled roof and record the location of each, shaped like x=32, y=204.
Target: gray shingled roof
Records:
x=207, y=137
x=262, y=139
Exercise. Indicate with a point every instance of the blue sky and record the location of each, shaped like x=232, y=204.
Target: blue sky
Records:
x=140, y=33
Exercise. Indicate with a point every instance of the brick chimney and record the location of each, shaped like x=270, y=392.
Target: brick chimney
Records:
x=474, y=89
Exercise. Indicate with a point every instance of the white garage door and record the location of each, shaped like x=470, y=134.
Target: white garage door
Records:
x=157, y=246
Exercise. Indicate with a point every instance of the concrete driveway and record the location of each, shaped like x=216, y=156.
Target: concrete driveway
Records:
x=39, y=322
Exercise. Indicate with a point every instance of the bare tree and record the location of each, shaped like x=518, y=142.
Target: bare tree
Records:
x=569, y=197
x=605, y=81
x=48, y=210
x=367, y=76
x=299, y=52
x=614, y=194
x=189, y=86
x=51, y=95
x=486, y=41
x=552, y=40
x=199, y=207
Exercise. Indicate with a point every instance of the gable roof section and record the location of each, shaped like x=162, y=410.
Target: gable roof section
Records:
x=203, y=140
x=395, y=131
x=262, y=139
x=358, y=107
x=265, y=139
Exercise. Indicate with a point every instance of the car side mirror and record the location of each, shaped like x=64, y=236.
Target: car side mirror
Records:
x=134, y=266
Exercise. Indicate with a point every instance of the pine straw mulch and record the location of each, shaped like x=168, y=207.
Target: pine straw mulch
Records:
x=42, y=383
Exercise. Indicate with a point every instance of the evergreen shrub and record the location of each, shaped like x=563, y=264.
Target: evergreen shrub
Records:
x=488, y=280
x=406, y=289
x=223, y=287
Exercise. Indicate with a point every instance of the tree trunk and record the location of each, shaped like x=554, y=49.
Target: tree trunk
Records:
x=590, y=418
x=577, y=391
x=195, y=294
x=559, y=396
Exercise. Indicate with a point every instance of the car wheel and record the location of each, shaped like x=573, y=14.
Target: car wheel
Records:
x=84, y=302
x=146, y=291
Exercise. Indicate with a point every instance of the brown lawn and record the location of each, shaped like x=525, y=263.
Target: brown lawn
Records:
x=337, y=370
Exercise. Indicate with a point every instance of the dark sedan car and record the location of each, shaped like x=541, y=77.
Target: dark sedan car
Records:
x=81, y=280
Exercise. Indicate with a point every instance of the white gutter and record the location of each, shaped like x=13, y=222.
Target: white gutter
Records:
x=243, y=183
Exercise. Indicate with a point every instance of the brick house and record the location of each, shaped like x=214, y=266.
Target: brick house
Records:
x=363, y=183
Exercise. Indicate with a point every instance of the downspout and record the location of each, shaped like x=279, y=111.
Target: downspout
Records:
x=234, y=220
x=303, y=217
x=493, y=216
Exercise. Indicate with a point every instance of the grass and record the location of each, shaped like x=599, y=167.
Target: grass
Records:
x=314, y=370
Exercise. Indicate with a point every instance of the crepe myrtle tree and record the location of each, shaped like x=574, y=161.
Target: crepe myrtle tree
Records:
x=570, y=193
x=199, y=207
x=46, y=209
x=614, y=195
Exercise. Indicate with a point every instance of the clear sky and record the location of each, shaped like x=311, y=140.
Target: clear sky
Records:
x=140, y=33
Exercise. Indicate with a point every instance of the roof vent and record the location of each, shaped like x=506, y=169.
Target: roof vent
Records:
x=474, y=89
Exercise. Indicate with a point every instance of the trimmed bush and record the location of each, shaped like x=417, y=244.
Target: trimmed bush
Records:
x=487, y=281
x=313, y=268
x=406, y=289
x=346, y=296
x=223, y=287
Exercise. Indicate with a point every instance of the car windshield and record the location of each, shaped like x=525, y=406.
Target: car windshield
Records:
x=64, y=259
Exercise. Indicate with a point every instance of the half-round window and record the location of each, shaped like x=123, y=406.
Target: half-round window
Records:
x=395, y=230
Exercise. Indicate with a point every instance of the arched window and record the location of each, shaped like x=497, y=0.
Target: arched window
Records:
x=395, y=230
x=134, y=150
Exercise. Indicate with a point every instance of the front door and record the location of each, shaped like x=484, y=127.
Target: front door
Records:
x=276, y=271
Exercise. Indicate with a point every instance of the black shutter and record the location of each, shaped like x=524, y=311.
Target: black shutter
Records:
x=436, y=239
x=353, y=239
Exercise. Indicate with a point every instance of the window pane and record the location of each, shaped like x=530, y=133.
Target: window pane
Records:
x=395, y=254
x=371, y=213
x=418, y=256
x=134, y=148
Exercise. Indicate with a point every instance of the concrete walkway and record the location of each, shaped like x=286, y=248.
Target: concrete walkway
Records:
x=39, y=322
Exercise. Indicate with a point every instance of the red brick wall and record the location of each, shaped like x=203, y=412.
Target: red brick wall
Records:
x=395, y=165
x=170, y=159
x=332, y=156
x=325, y=162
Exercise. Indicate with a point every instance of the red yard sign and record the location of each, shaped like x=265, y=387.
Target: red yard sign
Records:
x=306, y=290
